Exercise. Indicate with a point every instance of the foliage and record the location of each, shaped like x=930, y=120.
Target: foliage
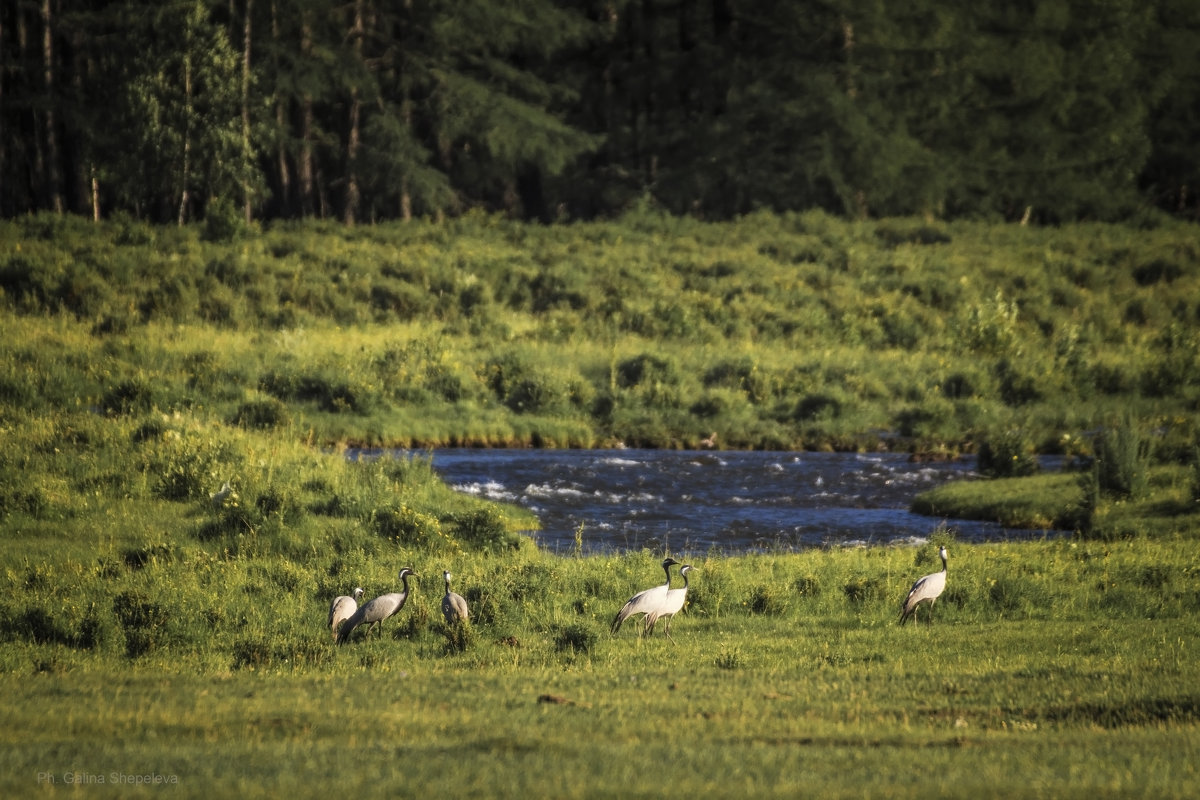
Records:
x=1009, y=454
x=778, y=331
x=553, y=111
x=1121, y=461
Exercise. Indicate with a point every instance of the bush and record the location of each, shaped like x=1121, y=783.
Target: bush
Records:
x=1007, y=455
x=143, y=621
x=407, y=526
x=132, y=396
x=1009, y=595
x=485, y=528
x=645, y=369
x=862, y=589
x=766, y=600
x=575, y=639
x=1122, y=462
x=261, y=414
x=329, y=392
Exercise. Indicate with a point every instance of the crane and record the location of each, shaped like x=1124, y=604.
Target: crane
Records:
x=925, y=590
x=342, y=608
x=377, y=610
x=672, y=604
x=454, y=607
x=647, y=600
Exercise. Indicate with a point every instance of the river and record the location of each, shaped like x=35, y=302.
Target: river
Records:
x=731, y=501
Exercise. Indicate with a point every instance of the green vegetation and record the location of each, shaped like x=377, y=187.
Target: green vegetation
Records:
x=151, y=624
x=191, y=110
x=1072, y=664
x=783, y=332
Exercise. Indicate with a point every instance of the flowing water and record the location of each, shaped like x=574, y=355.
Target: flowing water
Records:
x=729, y=500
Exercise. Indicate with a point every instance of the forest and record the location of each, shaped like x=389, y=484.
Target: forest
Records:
x=361, y=111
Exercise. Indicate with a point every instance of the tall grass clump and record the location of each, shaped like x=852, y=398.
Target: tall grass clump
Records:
x=1008, y=454
x=1122, y=459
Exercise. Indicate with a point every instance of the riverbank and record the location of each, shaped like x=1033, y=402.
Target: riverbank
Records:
x=781, y=332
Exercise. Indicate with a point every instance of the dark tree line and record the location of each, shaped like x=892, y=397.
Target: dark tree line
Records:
x=359, y=110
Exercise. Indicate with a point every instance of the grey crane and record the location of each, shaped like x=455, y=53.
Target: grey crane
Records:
x=219, y=497
x=454, y=607
x=671, y=605
x=342, y=608
x=646, y=600
x=377, y=610
x=925, y=590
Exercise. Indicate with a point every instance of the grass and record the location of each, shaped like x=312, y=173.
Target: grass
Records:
x=147, y=630
x=777, y=331
x=761, y=706
x=1070, y=663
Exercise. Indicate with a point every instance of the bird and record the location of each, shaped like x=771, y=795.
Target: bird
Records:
x=647, y=600
x=454, y=607
x=710, y=443
x=219, y=497
x=377, y=610
x=342, y=608
x=672, y=604
x=925, y=590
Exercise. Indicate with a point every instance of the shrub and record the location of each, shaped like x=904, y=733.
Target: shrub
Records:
x=958, y=386
x=862, y=589
x=459, y=637
x=485, y=528
x=575, y=639
x=817, y=407
x=406, y=525
x=131, y=396
x=766, y=600
x=34, y=625
x=261, y=414
x=1009, y=595
x=223, y=221
x=143, y=621
x=1122, y=461
x=1016, y=387
x=1007, y=455
x=185, y=468
x=741, y=374
x=330, y=393
x=645, y=369
x=808, y=586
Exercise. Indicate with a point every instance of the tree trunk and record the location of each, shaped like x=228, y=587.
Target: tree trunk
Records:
x=184, y=196
x=306, y=168
x=53, y=163
x=246, y=159
x=352, y=140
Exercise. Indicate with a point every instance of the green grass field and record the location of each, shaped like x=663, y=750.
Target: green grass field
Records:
x=155, y=638
x=1059, y=668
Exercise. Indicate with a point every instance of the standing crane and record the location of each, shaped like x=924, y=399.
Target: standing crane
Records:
x=377, y=610
x=647, y=600
x=925, y=590
x=672, y=604
x=219, y=497
x=342, y=608
x=454, y=606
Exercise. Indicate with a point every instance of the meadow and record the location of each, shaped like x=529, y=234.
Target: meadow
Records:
x=152, y=629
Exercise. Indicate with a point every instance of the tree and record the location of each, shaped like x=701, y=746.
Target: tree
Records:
x=182, y=110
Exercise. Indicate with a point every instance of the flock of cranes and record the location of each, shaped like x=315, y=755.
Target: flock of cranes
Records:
x=657, y=602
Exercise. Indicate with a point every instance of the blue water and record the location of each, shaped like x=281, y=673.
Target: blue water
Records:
x=729, y=500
